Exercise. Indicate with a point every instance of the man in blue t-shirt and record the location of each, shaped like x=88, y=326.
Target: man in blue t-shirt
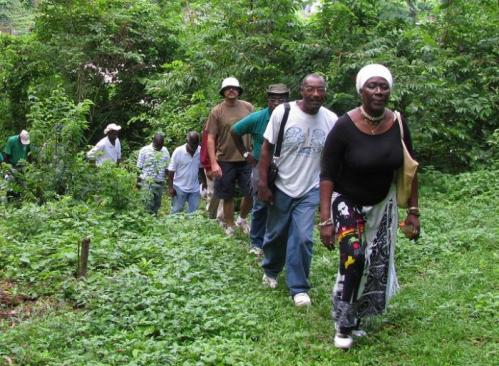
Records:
x=254, y=124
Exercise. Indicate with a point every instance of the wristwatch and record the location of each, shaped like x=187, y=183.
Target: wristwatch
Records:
x=246, y=154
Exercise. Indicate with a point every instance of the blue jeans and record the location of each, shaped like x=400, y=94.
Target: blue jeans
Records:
x=258, y=213
x=288, y=238
x=179, y=200
x=154, y=194
x=258, y=222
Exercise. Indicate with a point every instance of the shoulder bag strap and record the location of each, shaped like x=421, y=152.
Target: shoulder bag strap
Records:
x=399, y=120
x=277, y=151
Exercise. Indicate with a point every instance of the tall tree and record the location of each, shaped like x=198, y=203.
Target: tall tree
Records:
x=104, y=49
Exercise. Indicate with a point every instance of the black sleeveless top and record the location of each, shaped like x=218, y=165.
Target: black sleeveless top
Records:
x=361, y=165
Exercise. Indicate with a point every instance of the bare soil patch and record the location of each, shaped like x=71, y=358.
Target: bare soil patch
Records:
x=15, y=306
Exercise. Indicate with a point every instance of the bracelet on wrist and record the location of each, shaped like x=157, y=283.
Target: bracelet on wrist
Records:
x=413, y=211
x=328, y=222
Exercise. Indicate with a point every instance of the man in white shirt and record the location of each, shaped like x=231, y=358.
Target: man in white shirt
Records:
x=152, y=163
x=183, y=175
x=293, y=204
x=108, y=148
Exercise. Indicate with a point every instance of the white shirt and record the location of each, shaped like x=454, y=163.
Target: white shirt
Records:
x=105, y=150
x=186, y=168
x=303, y=141
x=152, y=163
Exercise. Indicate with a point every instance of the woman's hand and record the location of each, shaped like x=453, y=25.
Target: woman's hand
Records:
x=326, y=226
x=327, y=236
x=413, y=220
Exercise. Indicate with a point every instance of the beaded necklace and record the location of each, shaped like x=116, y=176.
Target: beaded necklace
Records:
x=372, y=121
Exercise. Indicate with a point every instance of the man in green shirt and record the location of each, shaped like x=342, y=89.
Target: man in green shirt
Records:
x=17, y=148
x=254, y=124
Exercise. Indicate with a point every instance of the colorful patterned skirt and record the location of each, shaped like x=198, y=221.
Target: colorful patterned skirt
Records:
x=366, y=279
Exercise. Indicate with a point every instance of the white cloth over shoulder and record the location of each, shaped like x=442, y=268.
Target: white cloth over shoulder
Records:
x=186, y=169
x=104, y=150
x=303, y=142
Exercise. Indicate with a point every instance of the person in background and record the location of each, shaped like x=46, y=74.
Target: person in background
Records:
x=291, y=214
x=183, y=175
x=227, y=163
x=358, y=206
x=214, y=206
x=17, y=148
x=152, y=163
x=108, y=148
x=254, y=124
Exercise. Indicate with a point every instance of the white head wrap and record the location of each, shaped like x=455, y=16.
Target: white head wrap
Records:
x=370, y=71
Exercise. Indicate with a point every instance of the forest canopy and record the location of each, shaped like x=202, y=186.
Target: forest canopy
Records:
x=157, y=65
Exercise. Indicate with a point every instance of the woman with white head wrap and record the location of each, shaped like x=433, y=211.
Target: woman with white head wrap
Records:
x=370, y=71
x=358, y=207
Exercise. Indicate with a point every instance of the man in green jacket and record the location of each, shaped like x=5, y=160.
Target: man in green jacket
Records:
x=254, y=125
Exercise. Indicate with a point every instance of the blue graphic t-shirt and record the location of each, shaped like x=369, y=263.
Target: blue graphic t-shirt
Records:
x=303, y=141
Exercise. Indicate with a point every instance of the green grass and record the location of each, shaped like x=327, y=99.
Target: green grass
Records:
x=176, y=291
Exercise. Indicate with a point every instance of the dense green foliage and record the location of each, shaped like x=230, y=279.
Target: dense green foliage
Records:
x=16, y=16
x=153, y=65
x=176, y=291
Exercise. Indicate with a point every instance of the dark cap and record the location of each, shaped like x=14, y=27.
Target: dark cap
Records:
x=277, y=89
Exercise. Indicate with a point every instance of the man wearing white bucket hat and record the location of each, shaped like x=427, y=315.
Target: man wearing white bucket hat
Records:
x=227, y=163
x=17, y=148
x=108, y=148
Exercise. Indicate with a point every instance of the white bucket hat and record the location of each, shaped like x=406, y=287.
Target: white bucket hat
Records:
x=230, y=81
x=24, y=137
x=112, y=127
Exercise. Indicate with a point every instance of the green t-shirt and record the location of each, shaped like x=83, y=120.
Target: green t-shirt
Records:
x=254, y=124
x=16, y=150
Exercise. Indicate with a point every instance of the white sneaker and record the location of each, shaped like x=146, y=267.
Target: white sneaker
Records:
x=256, y=251
x=269, y=281
x=302, y=299
x=343, y=341
x=229, y=230
x=243, y=224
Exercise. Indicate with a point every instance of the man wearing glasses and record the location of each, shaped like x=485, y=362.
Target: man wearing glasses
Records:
x=293, y=205
x=228, y=166
x=254, y=125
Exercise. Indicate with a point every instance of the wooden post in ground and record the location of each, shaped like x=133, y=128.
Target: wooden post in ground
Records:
x=83, y=264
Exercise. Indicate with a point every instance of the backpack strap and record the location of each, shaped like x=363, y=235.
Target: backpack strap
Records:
x=277, y=151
